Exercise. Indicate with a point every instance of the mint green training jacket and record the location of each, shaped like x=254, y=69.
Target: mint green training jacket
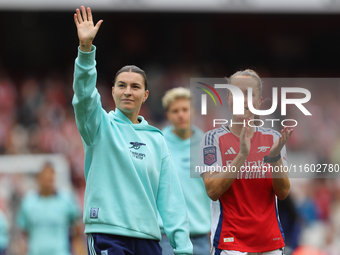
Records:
x=198, y=203
x=4, y=233
x=129, y=171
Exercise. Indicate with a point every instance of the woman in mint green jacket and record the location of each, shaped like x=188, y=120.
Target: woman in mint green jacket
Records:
x=128, y=168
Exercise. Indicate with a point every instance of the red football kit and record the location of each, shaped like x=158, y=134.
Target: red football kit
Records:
x=245, y=218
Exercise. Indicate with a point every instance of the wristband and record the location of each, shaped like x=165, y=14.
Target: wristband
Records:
x=268, y=159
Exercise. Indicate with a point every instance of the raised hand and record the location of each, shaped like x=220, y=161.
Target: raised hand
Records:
x=86, y=29
x=278, y=145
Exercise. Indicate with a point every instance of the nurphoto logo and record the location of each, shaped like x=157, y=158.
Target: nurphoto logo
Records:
x=239, y=102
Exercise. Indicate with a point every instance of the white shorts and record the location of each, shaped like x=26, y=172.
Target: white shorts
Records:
x=224, y=252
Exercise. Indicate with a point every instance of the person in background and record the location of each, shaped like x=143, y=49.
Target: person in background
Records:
x=46, y=216
x=181, y=136
x=4, y=235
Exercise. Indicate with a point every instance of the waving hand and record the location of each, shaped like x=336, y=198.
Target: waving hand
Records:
x=86, y=29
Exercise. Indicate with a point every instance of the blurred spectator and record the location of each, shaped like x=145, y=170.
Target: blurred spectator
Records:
x=323, y=194
x=308, y=250
x=4, y=233
x=291, y=223
x=46, y=216
x=305, y=205
x=8, y=107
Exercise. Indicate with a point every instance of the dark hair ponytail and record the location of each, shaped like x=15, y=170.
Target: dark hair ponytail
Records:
x=133, y=69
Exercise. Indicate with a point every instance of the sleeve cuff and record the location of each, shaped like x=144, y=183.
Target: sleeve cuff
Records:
x=87, y=58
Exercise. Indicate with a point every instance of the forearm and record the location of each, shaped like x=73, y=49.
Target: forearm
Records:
x=281, y=182
x=86, y=100
x=218, y=183
x=172, y=208
x=85, y=73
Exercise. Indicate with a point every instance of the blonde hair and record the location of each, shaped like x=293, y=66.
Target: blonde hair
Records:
x=174, y=94
x=249, y=73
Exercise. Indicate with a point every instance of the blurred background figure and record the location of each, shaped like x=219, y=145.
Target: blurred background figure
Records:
x=308, y=250
x=45, y=216
x=4, y=235
x=181, y=136
x=290, y=222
